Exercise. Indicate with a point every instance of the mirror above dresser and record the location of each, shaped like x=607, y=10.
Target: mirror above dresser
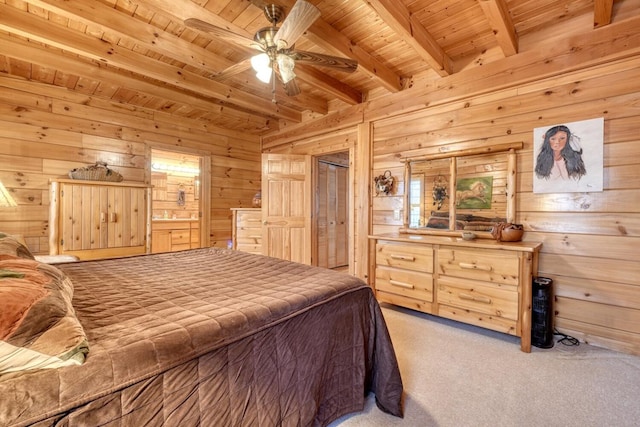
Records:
x=466, y=190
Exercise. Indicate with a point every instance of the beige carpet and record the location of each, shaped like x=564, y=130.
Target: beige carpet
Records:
x=460, y=375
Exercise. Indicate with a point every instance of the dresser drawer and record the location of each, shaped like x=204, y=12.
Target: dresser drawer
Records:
x=408, y=256
x=407, y=283
x=500, y=324
x=479, y=264
x=481, y=297
x=243, y=244
x=249, y=236
x=249, y=233
x=253, y=248
x=249, y=218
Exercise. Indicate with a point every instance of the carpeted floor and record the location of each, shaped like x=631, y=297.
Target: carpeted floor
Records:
x=461, y=375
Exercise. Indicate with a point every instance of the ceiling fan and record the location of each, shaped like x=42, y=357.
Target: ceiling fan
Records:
x=279, y=55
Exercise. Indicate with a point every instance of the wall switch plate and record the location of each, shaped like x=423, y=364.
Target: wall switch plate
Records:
x=396, y=214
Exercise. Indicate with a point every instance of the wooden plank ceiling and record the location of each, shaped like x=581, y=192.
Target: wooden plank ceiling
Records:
x=140, y=52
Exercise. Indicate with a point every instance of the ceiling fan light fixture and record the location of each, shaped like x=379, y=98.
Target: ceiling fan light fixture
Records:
x=264, y=75
x=262, y=65
x=260, y=62
x=285, y=66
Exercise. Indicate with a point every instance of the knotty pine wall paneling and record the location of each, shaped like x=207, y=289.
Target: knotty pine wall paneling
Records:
x=45, y=131
x=590, y=240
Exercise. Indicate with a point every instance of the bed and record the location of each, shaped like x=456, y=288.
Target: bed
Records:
x=204, y=337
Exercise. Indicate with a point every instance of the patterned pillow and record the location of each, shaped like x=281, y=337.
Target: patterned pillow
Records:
x=38, y=325
x=14, y=245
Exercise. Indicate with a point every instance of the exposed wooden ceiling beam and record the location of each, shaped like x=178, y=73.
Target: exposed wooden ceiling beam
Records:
x=325, y=36
x=145, y=35
x=13, y=47
x=399, y=19
x=183, y=10
x=602, y=10
x=322, y=81
x=497, y=12
x=47, y=32
x=313, y=103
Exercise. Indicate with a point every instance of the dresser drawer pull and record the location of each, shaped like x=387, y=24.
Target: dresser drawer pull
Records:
x=470, y=266
x=476, y=298
x=403, y=257
x=401, y=284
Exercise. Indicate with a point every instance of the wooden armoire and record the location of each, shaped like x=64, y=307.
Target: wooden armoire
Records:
x=97, y=219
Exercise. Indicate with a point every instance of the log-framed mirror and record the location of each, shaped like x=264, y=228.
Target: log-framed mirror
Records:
x=465, y=190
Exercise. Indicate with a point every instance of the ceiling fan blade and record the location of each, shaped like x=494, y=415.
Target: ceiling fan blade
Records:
x=258, y=3
x=343, y=64
x=302, y=15
x=291, y=88
x=221, y=32
x=231, y=71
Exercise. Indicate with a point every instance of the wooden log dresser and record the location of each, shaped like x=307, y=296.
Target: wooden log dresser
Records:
x=480, y=282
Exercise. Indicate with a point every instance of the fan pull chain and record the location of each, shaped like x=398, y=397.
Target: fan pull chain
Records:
x=273, y=87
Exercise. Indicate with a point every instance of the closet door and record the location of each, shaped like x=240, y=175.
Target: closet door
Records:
x=341, y=226
x=322, y=215
x=332, y=224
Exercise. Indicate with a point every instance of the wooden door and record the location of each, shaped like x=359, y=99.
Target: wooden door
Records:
x=332, y=224
x=286, y=207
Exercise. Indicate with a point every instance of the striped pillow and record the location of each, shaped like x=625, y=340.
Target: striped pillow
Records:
x=38, y=325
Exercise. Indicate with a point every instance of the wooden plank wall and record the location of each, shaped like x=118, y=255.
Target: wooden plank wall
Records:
x=45, y=131
x=590, y=240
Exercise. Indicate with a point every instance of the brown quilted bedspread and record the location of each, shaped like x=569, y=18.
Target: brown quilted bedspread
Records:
x=212, y=337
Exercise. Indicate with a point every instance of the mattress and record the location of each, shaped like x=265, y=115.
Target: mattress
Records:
x=212, y=337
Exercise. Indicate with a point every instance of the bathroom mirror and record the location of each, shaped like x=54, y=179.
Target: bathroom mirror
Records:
x=465, y=190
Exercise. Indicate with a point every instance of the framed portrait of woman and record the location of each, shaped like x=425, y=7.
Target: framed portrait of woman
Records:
x=568, y=157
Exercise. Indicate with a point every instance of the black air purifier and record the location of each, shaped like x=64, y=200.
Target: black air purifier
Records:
x=541, y=314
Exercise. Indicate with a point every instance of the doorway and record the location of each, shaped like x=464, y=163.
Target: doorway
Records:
x=175, y=201
x=332, y=211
